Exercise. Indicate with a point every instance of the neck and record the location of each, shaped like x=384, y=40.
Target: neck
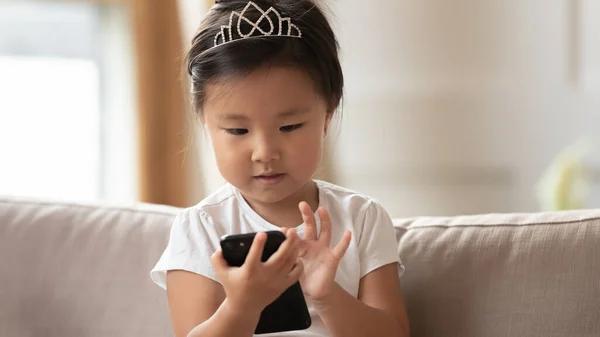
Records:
x=285, y=213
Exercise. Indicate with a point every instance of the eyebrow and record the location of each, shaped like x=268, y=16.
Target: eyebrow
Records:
x=289, y=113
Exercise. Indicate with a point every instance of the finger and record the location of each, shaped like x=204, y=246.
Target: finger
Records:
x=310, y=233
x=340, y=249
x=289, y=263
x=325, y=233
x=256, y=250
x=290, y=258
x=291, y=233
x=302, y=248
x=277, y=260
x=296, y=272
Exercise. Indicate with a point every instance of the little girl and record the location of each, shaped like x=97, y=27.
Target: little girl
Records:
x=266, y=82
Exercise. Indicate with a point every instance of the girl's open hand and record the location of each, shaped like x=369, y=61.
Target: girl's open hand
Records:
x=320, y=261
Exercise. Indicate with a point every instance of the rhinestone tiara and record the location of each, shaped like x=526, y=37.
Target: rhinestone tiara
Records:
x=282, y=26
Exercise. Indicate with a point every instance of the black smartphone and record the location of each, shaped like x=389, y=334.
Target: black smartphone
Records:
x=289, y=311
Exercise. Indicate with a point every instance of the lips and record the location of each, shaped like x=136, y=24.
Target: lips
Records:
x=270, y=178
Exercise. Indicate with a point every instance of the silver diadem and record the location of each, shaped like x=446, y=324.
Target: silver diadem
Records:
x=281, y=27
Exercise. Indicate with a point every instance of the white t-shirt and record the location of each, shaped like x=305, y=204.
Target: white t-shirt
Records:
x=196, y=232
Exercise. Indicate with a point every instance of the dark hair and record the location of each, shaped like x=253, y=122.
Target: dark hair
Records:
x=316, y=51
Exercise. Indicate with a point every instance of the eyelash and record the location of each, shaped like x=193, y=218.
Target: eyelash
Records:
x=286, y=128
x=290, y=128
x=237, y=132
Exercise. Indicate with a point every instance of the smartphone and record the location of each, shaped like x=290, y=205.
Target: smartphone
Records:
x=289, y=311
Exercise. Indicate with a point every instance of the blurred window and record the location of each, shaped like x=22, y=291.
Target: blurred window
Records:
x=58, y=60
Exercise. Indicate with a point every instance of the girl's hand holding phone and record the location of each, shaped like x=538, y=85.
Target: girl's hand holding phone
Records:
x=256, y=284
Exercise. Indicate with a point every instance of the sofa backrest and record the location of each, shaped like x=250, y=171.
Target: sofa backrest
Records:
x=502, y=274
x=81, y=270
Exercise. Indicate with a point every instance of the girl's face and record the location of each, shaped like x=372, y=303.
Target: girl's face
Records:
x=267, y=131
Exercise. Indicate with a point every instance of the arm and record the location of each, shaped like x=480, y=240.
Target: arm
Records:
x=378, y=311
x=198, y=308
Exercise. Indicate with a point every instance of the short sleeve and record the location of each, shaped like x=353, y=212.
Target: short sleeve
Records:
x=377, y=244
x=192, y=241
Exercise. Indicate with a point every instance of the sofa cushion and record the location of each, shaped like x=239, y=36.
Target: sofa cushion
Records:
x=81, y=270
x=502, y=274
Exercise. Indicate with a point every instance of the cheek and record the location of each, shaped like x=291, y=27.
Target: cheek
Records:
x=224, y=150
x=308, y=149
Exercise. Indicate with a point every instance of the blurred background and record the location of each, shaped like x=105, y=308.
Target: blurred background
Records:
x=451, y=107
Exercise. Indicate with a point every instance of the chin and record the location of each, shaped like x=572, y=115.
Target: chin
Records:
x=268, y=197
x=271, y=195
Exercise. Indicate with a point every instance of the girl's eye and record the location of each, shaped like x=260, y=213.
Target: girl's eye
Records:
x=290, y=128
x=237, y=132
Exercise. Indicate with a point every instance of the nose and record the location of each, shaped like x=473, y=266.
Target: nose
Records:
x=265, y=149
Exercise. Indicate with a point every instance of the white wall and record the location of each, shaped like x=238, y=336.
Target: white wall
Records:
x=456, y=107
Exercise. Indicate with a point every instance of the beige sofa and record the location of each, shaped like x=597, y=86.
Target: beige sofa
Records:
x=71, y=269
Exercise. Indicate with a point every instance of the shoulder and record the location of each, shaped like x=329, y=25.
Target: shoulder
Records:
x=220, y=202
x=337, y=196
x=206, y=222
x=353, y=209
x=194, y=237
x=203, y=218
x=374, y=238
